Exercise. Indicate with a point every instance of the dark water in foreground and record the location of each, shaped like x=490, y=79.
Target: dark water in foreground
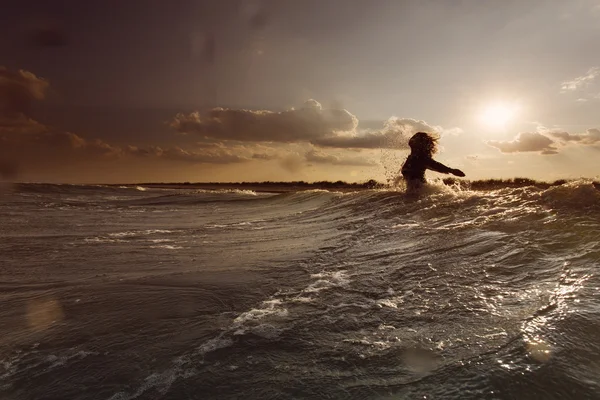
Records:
x=125, y=293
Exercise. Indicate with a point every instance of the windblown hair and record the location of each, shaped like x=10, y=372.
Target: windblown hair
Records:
x=423, y=143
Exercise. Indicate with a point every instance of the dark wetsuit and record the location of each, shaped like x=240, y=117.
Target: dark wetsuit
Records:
x=415, y=165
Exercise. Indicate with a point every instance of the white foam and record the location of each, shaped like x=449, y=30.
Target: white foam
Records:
x=161, y=382
x=166, y=246
x=226, y=191
x=363, y=342
x=392, y=302
x=387, y=303
x=27, y=360
x=269, y=308
x=266, y=331
x=303, y=299
x=141, y=232
x=237, y=225
x=100, y=239
x=407, y=225
x=247, y=322
x=214, y=344
x=373, y=345
x=164, y=380
x=327, y=280
x=56, y=361
x=382, y=345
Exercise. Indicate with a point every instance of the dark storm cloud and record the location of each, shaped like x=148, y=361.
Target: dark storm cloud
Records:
x=320, y=157
x=527, y=142
x=18, y=90
x=311, y=122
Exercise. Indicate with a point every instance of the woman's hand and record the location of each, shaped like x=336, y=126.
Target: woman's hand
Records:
x=458, y=172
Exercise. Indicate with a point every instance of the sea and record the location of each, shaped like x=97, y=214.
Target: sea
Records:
x=133, y=292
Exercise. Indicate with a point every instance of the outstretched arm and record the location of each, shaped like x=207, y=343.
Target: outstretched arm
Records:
x=439, y=167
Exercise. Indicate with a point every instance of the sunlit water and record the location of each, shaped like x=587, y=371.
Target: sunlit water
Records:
x=124, y=293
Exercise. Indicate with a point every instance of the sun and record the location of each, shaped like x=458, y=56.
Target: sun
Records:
x=498, y=115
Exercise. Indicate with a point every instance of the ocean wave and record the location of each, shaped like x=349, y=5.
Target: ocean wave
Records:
x=389, y=289
x=226, y=191
x=580, y=194
x=576, y=195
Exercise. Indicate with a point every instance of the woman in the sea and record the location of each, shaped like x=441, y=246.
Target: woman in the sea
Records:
x=422, y=148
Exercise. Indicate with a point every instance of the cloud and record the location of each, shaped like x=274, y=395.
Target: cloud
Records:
x=394, y=134
x=336, y=128
x=228, y=136
x=46, y=147
x=581, y=81
x=24, y=137
x=547, y=141
x=305, y=124
x=589, y=137
x=20, y=125
x=527, y=142
x=27, y=142
x=564, y=136
x=319, y=157
x=264, y=156
x=582, y=84
x=42, y=145
x=17, y=92
x=243, y=152
x=592, y=136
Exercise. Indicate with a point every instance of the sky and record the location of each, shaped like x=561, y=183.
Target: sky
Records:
x=253, y=90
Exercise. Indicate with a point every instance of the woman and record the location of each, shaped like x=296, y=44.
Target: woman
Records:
x=422, y=148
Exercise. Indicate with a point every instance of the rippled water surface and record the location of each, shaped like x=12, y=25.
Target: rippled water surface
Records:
x=125, y=293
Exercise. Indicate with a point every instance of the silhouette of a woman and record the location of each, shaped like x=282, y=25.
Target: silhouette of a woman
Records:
x=422, y=148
